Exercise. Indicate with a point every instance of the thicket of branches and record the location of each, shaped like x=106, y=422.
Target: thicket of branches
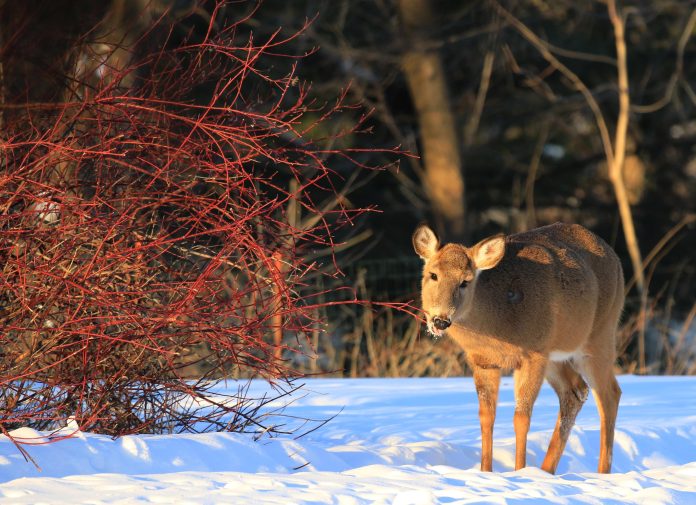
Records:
x=166, y=208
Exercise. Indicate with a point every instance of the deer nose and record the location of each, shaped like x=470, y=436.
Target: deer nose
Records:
x=441, y=323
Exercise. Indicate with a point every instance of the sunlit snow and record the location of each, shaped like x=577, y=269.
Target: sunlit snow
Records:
x=393, y=441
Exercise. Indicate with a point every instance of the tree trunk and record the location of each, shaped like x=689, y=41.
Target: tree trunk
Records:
x=441, y=158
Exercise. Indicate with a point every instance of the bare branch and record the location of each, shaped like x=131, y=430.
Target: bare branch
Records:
x=616, y=164
x=473, y=123
x=532, y=174
x=545, y=52
x=678, y=73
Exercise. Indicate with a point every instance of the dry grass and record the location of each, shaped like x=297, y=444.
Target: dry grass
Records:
x=363, y=342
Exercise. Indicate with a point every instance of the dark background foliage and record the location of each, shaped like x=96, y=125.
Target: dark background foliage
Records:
x=527, y=105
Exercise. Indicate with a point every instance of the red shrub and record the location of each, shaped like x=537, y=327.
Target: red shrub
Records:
x=157, y=221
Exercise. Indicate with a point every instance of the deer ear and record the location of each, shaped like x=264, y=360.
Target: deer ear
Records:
x=489, y=252
x=425, y=242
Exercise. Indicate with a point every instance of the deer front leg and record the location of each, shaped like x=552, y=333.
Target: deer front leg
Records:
x=528, y=379
x=487, y=381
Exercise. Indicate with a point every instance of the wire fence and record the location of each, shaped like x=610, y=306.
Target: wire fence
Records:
x=393, y=279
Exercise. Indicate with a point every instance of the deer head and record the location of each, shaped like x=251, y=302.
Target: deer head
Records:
x=450, y=274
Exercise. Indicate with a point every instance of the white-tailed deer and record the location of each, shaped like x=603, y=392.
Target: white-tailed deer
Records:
x=545, y=303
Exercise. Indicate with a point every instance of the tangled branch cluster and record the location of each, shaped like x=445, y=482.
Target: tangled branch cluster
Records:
x=161, y=219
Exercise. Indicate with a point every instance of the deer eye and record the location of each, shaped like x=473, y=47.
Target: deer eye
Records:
x=464, y=284
x=433, y=276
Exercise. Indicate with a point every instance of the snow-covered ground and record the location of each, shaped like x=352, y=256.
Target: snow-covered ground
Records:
x=396, y=441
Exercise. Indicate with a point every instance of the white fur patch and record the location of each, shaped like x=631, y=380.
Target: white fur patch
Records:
x=561, y=356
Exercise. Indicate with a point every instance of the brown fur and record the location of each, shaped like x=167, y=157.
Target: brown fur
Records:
x=545, y=303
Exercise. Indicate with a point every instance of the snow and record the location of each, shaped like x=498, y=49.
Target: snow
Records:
x=393, y=441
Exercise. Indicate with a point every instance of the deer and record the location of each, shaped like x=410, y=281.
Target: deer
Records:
x=544, y=303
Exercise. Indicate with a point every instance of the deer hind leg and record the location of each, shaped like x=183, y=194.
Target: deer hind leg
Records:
x=528, y=379
x=572, y=392
x=487, y=381
x=607, y=393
